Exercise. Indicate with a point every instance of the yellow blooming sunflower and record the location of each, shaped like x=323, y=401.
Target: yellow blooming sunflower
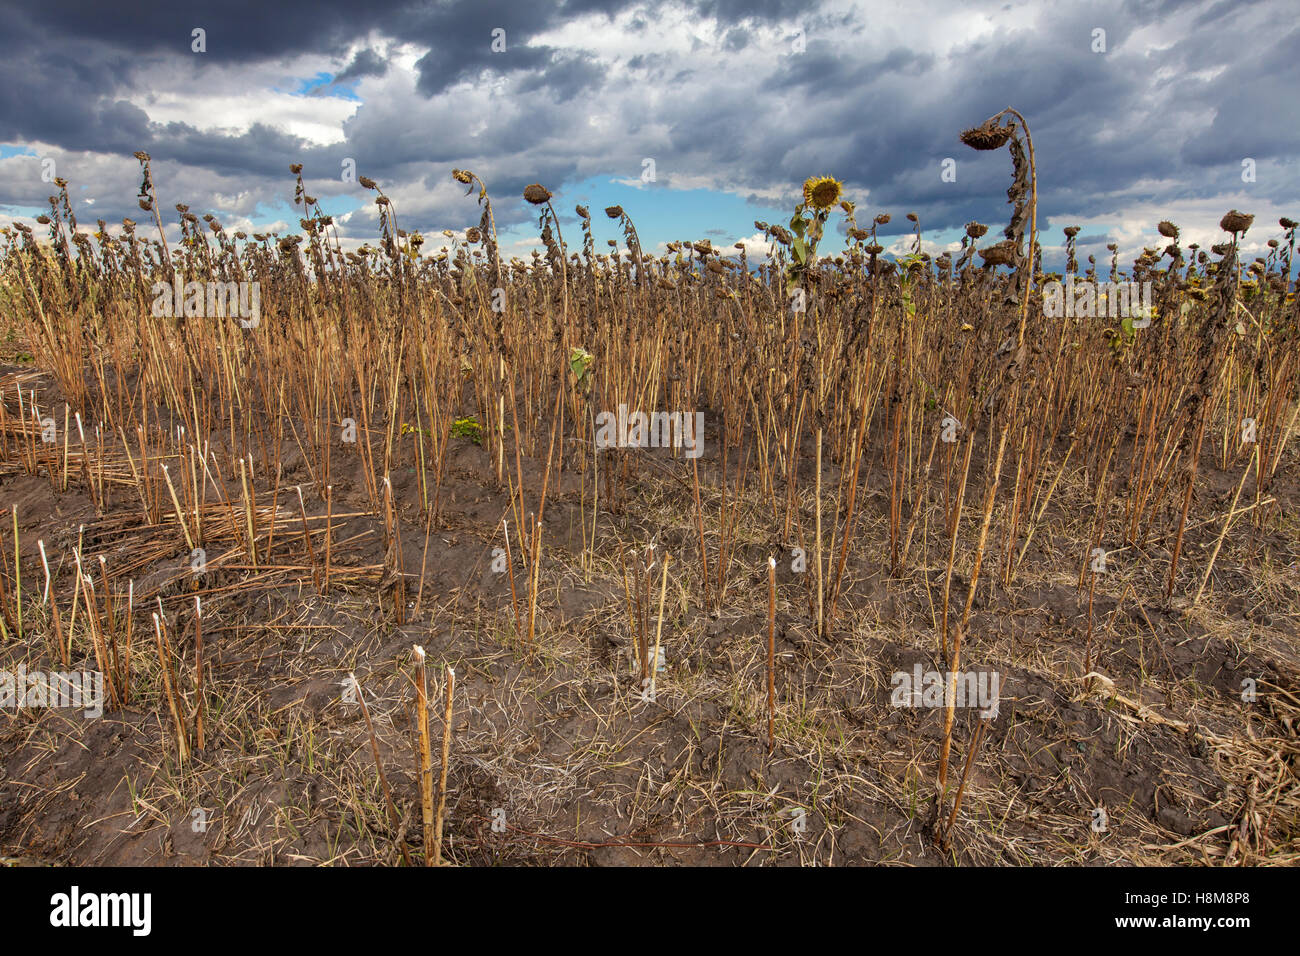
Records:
x=821, y=192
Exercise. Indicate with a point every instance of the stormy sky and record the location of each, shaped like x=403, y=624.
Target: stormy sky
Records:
x=697, y=117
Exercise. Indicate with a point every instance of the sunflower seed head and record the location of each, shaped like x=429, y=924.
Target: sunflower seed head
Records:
x=1235, y=222
x=986, y=136
x=537, y=194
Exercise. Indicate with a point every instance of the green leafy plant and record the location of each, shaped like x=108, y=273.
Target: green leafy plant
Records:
x=580, y=363
x=467, y=428
x=906, y=281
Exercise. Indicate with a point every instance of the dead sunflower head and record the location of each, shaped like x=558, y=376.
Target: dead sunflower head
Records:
x=1235, y=222
x=1167, y=229
x=976, y=229
x=989, y=135
x=821, y=192
x=1003, y=253
x=537, y=194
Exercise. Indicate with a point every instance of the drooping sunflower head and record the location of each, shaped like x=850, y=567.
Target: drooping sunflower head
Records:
x=537, y=194
x=989, y=135
x=821, y=192
x=1234, y=221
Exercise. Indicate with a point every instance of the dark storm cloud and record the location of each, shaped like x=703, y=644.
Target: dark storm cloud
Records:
x=898, y=132
x=367, y=62
x=565, y=77
x=736, y=39
x=91, y=50
x=1255, y=108
x=239, y=31
x=730, y=11
x=258, y=151
x=1184, y=92
x=462, y=34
